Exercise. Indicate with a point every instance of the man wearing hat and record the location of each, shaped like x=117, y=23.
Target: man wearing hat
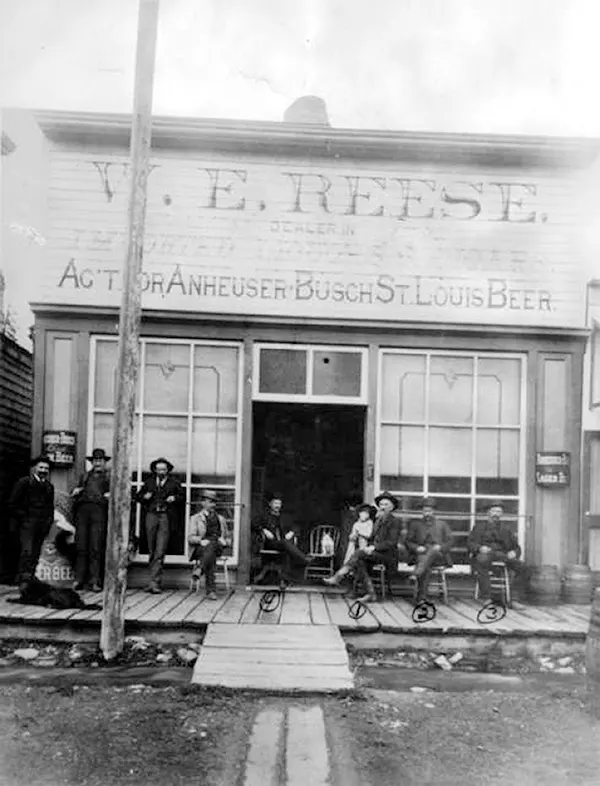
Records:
x=160, y=496
x=384, y=547
x=492, y=540
x=31, y=510
x=208, y=536
x=273, y=529
x=429, y=541
x=91, y=515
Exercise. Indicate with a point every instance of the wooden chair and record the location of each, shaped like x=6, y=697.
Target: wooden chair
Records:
x=437, y=580
x=499, y=582
x=322, y=564
x=195, y=581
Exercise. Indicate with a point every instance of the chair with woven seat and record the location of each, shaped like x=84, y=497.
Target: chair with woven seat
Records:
x=195, y=582
x=321, y=565
x=499, y=582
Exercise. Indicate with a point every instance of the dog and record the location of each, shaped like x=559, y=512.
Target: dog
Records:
x=37, y=593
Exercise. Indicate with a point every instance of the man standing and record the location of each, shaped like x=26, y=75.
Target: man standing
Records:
x=490, y=541
x=91, y=500
x=160, y=497
x=273, y=529
x=208, y=536
x=429, y=541
x=31, y=509
x=385, y=547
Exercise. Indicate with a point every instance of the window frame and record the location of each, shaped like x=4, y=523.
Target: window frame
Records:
x=308, y=397
x=191, y=415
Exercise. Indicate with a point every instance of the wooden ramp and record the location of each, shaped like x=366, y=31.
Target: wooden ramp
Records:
x=299, y=658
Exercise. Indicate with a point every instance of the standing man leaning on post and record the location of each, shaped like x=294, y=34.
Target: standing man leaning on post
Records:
x=91, y=515
x=31, y=507
x=160, y=496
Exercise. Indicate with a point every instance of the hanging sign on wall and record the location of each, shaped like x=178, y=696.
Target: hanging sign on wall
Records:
x=552, y=468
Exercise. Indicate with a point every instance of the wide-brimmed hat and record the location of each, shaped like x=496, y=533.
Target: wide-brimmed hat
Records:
x=209, y=494
x=37, y=459
x=98, y=453
x=161, y=460
x=386, y=495
x=493, y=503
x=427, y=502
x=366, y=506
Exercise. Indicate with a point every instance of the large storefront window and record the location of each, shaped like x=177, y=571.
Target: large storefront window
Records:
x=451, y=426
x=188, y=410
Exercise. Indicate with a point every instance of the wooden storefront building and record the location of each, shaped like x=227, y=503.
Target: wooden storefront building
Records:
x=327, y=313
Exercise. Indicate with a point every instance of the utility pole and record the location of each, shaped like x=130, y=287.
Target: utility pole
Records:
x=112, y=633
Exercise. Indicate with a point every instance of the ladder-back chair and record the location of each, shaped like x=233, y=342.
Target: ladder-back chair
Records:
x=322, y=564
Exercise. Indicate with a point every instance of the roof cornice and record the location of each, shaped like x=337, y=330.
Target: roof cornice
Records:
x=279, y=138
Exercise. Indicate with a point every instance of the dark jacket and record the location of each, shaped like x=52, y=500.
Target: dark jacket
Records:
x=32, y=503
x=498, y=536
x=435, y=532
x=386, y=536
x=158, y=500
x=94, y=486
x=278, y=525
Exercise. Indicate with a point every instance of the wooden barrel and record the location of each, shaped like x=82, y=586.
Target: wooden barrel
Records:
x=577, y=584
x=592, y=647
x=544, y=585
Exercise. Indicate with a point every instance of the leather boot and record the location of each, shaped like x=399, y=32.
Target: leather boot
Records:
x=369, y=596
x=333, y=581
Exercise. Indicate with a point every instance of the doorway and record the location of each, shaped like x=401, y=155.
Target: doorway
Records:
x=313, y=455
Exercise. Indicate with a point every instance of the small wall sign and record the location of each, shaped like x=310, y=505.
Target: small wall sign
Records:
x=60, y=447
x=552, y=468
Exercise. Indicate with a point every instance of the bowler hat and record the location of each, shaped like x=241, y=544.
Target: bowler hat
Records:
x=209, y=494
x=386, y=495
x=98, y=453
x=370, y=508
x=37, y=460
x=161, y=460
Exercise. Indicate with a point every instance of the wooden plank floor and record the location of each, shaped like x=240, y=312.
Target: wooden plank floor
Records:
x=181, y=608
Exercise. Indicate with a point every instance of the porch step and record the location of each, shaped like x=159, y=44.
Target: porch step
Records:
x=299, y=658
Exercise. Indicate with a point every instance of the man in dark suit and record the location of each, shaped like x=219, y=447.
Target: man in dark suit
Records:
x=273, y=529
x=384, y=547
x=31, y=509
x=490, y=541
x=160, y=496
x=429, y=541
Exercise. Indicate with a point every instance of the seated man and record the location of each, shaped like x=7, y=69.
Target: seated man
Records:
x=384, y=547
x=275, y=529
x=429, y=541
x=208, y=536
x=490, y=541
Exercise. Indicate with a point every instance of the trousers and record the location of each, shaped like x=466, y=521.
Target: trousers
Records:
x=425, y=562
x=31, y=535
x=207, y=556
x=157, y=534
x=90, y=542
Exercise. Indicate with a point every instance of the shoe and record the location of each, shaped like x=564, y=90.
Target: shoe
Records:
x=212, y=596
x=153, y=589
x=331, y=581
x=96, y=588
x=368, y=598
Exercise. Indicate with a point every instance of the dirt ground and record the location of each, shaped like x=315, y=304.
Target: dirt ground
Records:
x=117, y=735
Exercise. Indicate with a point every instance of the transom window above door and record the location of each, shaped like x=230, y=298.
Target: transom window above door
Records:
x=310, y=373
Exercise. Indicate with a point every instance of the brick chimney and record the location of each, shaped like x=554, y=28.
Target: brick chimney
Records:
x=307, y=110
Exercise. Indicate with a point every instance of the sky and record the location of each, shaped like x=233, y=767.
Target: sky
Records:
x=516, y=66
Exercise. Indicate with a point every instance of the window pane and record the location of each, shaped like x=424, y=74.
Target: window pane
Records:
x=165, y=436
x=457, y=512
x=106, y=374
x=499, y=391
x=497, y=463
x=214, y=451
x=103, y=437
x=336, y=373
x=402, y=458
x=450, y=460
x=403, y=388
x=166, y=377
x=451, y=390
x=283, y=371
x=215, y=379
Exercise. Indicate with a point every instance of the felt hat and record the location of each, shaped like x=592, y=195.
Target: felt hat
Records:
x=427, y=502
x=37, y=460
x=209, y=494
x=493, y=503
x=274, y=495
x=161, y=460
x=98, y=453
x=386, y=495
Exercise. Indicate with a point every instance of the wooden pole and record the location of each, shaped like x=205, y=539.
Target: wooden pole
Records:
x=113, y=620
